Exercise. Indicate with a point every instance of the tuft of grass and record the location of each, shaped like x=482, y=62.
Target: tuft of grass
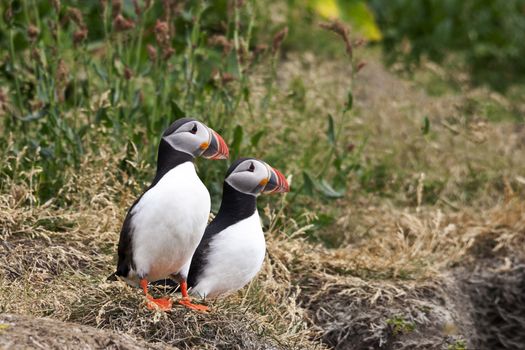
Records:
x=458, y=345
x=400, y=325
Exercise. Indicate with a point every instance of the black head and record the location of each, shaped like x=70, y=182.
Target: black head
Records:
x=253, y=176
x=192, y=137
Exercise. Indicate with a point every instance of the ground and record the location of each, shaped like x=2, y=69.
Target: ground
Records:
x=407, y=259
x=31, y=333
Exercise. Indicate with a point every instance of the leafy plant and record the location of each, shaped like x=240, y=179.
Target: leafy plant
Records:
x=458, y=345
x=341, y=157
x=400, y=325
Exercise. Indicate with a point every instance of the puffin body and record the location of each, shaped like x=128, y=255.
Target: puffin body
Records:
x=233, y=247
x=166, y=223
x=233, y=258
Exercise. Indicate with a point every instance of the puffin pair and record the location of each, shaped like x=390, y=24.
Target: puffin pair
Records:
x=164, y=227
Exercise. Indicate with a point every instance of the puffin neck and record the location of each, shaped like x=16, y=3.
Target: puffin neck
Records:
x=236, y=205
x=168, y=158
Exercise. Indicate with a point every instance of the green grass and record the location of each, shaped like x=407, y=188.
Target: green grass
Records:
x=74, y=96
x=458, y=345
x=400, y=325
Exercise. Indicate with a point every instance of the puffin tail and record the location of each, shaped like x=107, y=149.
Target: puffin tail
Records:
x=112, y=277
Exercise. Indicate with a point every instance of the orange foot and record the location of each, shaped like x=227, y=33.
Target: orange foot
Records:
x=186, y=302
x=163, y=304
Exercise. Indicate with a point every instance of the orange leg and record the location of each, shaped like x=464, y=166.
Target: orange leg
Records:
x=163, y=304
x=185, y=301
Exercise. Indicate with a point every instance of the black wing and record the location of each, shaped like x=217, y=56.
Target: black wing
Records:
x=198, y=262
x=125, y=247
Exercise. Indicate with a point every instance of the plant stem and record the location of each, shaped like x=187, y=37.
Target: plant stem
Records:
x=13, y=60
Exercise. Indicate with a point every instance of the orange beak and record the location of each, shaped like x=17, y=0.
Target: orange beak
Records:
x=216, y=148
x=277, y=182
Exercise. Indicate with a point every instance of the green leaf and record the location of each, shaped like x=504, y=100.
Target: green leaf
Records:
x=101, y=72
x=338, y=162
x=246, y=93
x=83, y=130
x=101, y=115
x=35, y=115
x=256, y=138
x=311, y=184
x=115, y=92
x=349, y=102
x=426, y=126
x=238, y=134
x=136, y=99
x=324, y=219
x=331, y=130
x=308, y=185
x=326, y=189
x=176, y=110
x=119, y=67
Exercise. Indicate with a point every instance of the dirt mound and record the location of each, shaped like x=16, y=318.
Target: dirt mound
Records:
x=498, y=300
x=401, y=315
x=116, y=306
x=22, y=332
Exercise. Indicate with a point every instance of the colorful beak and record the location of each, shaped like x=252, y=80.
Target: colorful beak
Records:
x=277, y=182
x=216, y=148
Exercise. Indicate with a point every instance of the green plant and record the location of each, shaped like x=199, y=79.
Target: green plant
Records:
x=486, y=34
x=399, y=325
x=81, y=75
x=343, y=158
x=458, y=345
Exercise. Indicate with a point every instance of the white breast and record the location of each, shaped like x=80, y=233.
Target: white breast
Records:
x=234, y=257
x=168, y=223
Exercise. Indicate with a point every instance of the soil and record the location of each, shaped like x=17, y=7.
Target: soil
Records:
x=23, y=332
x=480, y=309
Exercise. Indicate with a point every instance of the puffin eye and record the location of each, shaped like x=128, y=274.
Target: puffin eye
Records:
x=251, y=168
x=194, y=129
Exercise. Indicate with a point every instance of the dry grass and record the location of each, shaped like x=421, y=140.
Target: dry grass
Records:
x=305, y=292
x=54, y=263
x=398, y=274
x=389, y=282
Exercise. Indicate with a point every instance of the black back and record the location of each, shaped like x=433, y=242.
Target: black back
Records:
x=167, y=159
x=235, y=206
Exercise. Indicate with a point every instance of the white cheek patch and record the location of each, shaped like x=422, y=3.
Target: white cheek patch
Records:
x=187, y=142
x=243, y=182
x=264, y=172
x=183, y=142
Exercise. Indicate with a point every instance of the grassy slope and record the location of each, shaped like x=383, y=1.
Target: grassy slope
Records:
x=398, y=232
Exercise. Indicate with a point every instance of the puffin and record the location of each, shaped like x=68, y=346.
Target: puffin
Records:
x=165, y=224
x=233, y=247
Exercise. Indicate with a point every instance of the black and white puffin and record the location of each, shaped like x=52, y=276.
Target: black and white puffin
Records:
x=233, y=247
x=164, y=226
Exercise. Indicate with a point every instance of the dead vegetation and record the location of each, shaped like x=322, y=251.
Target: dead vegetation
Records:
x=408, y=272
x=498, y=305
